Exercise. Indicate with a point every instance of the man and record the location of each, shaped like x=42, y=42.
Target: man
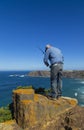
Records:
x=53, y=58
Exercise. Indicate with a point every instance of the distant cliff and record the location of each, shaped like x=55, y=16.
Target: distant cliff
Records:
x=70, y=74
x=39, y=73
x=74, y=74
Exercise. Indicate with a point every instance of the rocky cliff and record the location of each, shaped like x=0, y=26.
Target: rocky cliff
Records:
x=39, y=73
x=70, y=74
x=34, y=111
x=37, y=112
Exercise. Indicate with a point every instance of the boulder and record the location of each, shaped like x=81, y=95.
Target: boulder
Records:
x=37, y=111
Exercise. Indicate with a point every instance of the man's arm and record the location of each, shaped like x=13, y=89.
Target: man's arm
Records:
x=46, y=57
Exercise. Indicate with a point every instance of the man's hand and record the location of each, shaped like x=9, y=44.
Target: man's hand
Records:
x=47, y=64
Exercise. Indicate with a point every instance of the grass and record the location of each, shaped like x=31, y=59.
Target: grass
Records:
x=5, y=114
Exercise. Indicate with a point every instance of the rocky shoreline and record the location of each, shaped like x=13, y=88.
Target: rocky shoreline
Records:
x=66, y=73
x=36, y=112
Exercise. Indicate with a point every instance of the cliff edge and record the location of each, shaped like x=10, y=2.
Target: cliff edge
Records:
x=37, y=112
x=34, y=111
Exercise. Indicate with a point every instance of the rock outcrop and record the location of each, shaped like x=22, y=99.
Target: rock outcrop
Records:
x=66, y=74
x=39, y=73
x=9, y=125
x=37, y=112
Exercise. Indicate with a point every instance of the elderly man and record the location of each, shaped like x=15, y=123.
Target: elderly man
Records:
x=54, y=59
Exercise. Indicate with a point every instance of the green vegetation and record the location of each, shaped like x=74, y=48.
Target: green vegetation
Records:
x=24, y=87
x=47, y=91
x=5, y=114
x=39, y=90
x=42, y=90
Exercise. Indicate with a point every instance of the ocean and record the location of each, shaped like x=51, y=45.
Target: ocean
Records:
x=10, y=80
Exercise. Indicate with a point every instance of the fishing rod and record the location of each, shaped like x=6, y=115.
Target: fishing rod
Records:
x=41, y=50
x=44, y=53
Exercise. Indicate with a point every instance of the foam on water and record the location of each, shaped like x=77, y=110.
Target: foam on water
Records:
x=17, y=75
x=76, y=94
x=82, y=82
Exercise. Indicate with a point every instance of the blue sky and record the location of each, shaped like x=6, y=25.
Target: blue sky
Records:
x=26, y=25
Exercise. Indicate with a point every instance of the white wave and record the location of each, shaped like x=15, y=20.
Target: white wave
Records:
x=21, y=76
x=14, y=75
x=76, y=94
x=82, y=82
x=11, y=75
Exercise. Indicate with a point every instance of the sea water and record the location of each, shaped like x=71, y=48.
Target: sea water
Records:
x=10, y=80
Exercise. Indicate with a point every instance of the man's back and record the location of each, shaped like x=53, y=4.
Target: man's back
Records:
x=53, y=54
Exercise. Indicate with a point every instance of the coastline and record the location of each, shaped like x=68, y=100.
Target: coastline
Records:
x=78, y=74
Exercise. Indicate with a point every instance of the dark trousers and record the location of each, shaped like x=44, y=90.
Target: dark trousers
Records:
x=56, y=80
